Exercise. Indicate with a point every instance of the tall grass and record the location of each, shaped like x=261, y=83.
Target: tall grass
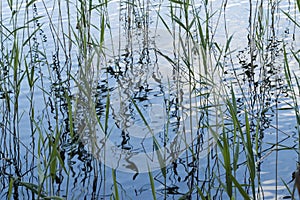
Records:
x=57, y=88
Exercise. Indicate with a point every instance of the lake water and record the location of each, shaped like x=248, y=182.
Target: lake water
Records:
x=88, y=114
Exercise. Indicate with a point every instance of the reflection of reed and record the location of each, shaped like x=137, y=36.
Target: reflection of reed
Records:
x=164, y=92
x=260, y=88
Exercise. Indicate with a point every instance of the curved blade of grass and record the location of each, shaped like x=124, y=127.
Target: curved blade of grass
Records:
x=201, y=193
x=222, y=142
x=240, y=188
x=156, y=144
x=292, y=19
x=287, y=187
x=151, y=183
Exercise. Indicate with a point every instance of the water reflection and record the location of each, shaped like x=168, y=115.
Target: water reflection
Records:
x=148, y=102
x=261, y=89
x=143, y=83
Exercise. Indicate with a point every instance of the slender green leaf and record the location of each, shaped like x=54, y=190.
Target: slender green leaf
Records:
x=116, y=194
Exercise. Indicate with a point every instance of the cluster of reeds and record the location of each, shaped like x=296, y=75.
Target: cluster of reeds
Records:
x=54, y=54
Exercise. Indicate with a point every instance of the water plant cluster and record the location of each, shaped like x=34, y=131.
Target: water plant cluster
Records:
x=149, y=99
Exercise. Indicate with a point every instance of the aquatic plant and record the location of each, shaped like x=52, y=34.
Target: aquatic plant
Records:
x=173, y=97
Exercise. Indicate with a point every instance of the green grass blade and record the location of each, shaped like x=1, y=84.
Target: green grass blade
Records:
x=240, y=188
x=116, y=194
x=152, y=183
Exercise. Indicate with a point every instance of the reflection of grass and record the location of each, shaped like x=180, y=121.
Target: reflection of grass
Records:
x=40, y=70
x=294, y=88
